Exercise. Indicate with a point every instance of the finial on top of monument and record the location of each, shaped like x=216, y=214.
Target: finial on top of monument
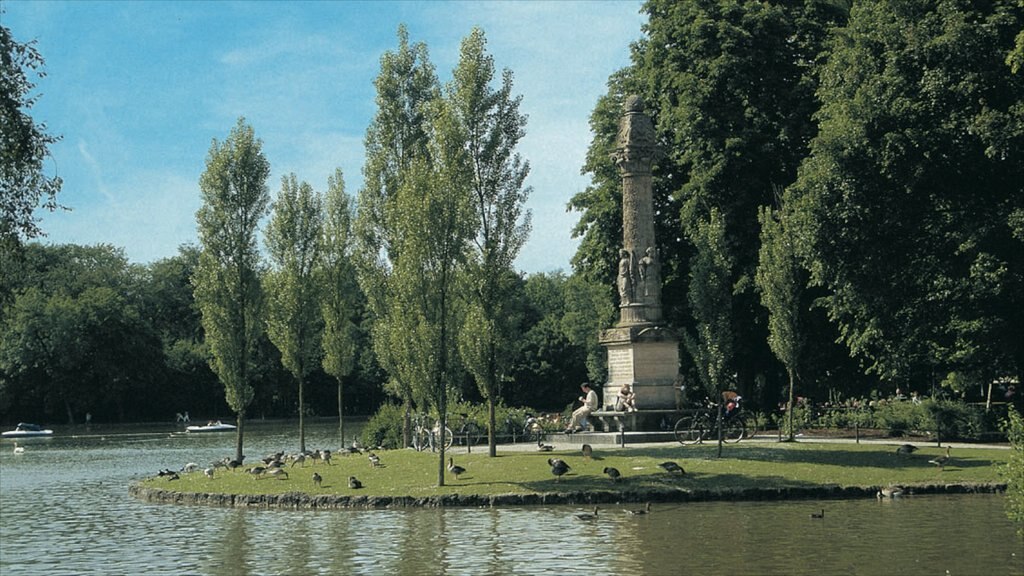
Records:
x=634, y=103
x=636, y=139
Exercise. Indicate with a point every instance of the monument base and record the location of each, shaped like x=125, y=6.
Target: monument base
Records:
x=646, y=357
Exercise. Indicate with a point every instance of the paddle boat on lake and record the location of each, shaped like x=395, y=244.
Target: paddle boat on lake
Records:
x=211, y=426
x=24, y=430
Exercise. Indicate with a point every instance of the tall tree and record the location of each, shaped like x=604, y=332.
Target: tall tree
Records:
x=227, y=280
x=732, y=89
x=24, y=145
x=780, y=281
x=294, y=320
x=396, y=137
x=492, y=124
x=431, y=222
x=712, y=343
x=914, y=186
x=338, y=289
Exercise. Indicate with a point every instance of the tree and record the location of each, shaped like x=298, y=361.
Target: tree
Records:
x=338, y=289
x=779, y=279
x=711, y=300
x=73, y=339
x=492, y=125
x=913, y=188
x=294, y=320
x=24, y=145
x=397, y=136
x=227, y=280
x=431, y=224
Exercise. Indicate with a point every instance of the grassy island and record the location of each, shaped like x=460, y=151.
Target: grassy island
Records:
x=745, y=471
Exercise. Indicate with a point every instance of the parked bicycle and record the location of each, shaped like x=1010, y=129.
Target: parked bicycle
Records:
x=702, y=425
x=426, y=436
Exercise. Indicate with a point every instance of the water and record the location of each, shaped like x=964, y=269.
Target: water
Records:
x=64, y=509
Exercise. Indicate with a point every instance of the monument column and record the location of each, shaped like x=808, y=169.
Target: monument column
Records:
x=641, y=352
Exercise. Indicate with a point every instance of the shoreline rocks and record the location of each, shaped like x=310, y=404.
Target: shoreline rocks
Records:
x=304, y=501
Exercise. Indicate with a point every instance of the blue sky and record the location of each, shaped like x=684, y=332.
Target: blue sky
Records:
x=138, y=90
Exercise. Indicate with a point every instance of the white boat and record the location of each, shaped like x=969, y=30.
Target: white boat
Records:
x=217, y=426
x=24, y=430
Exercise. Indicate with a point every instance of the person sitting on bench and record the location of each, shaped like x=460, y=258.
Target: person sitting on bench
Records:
x=590, y=404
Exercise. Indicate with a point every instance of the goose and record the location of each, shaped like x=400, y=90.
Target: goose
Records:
x=645, y=510
x=890, y=492
x=818, y=514
x=277, y=473
x=588, y=451
x=588, y=517
x=18, y=449
x=906, y=449
x=558, y=467
x=257, y=471
x=325, y=455
x=317, y=479
x=672, y=468
x=613, y=473
x=544, y=447
x=208, y=472
x=374, y=460
x=233, y=464
x=455, y=469
x=299, y=459
x=190, y=467
x=353, y=483
x=941, y=461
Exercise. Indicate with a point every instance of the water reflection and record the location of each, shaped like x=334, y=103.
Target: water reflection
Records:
x=64, y=509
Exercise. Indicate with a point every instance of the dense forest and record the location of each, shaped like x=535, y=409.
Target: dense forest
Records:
x=840, y=202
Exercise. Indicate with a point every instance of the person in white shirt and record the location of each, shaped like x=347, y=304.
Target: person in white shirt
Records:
x=590, y=404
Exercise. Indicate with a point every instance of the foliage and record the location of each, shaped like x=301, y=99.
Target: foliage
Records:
x=395, y=138
x=339, y=291
x=1013, y=470
x=227, y=283
x=711, y=300
x=24, y=145
x=294, y=321
x=912, y=185
x=492, y=126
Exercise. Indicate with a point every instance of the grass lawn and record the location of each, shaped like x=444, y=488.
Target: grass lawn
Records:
x=752, y=465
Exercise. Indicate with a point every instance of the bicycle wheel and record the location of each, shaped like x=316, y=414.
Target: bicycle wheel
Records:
x=448, y=438
x=420, y=439
x=734, y=429
x=688, y=430
x=471, y=434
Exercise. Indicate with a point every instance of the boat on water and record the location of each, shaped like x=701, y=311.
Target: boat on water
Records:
x=25, y=430
x=213, y=426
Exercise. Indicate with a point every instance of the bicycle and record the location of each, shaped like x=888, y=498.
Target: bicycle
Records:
x=703, y=425
x=425, y=435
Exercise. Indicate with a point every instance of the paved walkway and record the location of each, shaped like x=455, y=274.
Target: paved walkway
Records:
x=607, y=440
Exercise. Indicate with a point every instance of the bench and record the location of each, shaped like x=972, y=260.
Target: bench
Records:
x=636, y=421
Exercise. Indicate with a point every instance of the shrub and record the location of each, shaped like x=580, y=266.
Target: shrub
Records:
x=384, y=428
x=1013, y=470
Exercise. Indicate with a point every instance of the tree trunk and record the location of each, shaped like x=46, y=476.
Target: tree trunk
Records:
x=302, y=416
x=238, y=436
x=492, y=445
x=791, y=431
x=341, y=416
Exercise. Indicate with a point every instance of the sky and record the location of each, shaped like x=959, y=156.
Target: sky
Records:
x=139, y=90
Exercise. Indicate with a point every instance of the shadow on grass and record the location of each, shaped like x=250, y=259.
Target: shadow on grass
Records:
x=883, y=457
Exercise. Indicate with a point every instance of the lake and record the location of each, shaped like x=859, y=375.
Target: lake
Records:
x=65, y=509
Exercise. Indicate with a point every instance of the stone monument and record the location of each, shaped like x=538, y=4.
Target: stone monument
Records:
x=641, y=351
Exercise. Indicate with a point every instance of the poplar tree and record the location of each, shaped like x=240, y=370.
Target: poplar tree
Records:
x=338, y=289
x=227, y=280
x=397, y=136
x=294, y=322
x=491, y=122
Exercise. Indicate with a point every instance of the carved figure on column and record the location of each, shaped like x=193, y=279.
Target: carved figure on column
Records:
x=626, y=283
x=648, y=269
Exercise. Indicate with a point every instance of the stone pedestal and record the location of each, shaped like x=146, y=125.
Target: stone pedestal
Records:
x=647, y=358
